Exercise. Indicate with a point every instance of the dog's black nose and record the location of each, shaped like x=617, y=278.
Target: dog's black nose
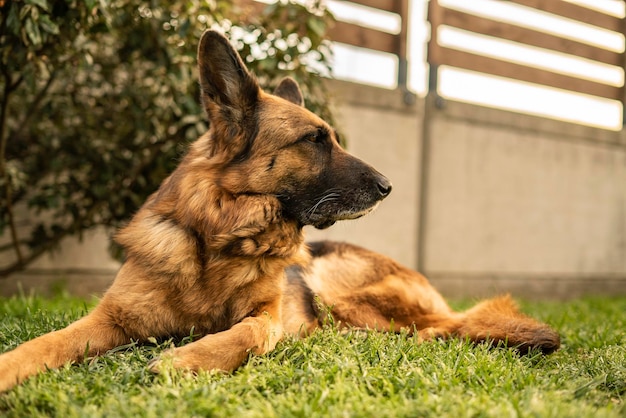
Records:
x=384, y=187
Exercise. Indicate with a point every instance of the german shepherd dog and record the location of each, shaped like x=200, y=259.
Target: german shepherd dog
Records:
x=219, y=249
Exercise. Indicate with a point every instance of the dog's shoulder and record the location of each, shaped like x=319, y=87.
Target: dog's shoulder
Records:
x=160, y=244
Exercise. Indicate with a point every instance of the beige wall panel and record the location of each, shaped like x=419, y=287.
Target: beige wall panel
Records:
x=502, y=201
x=90, y=252
x=82, y=267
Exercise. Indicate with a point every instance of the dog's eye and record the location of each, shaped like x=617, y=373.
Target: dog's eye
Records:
x=315, y=137
x=311, y=137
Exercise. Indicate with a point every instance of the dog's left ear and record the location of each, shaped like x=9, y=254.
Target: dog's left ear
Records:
x=230, y=93
x=288, y=89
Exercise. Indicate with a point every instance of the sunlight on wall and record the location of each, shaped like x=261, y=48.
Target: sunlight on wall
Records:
x=365, y=16
x=610, y=7
x=419, y=33
x=544, y=22
x=530, y=56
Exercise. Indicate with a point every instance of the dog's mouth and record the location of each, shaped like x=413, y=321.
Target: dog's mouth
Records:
x=334, y=204
x=344, y=215
x=324, y=224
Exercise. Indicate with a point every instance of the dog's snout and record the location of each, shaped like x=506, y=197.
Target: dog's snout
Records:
x=384, y=187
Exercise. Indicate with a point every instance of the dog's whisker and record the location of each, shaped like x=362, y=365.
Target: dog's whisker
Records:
x=326, y=198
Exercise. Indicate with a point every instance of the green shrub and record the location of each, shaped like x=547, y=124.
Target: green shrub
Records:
x=99, y=100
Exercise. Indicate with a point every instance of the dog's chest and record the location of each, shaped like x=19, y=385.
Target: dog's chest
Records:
x=227, y=293
x=274, y=241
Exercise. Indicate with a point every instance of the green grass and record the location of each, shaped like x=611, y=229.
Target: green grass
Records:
x=332, y=374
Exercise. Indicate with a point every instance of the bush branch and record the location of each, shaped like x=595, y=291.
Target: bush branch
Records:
x=9, y=87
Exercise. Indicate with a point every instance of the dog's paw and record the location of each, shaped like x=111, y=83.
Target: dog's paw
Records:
x=430, y=334
x=168, y=361
x=186, y=361
x=155, y=365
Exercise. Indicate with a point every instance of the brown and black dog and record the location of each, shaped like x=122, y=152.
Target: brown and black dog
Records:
x=218, y=248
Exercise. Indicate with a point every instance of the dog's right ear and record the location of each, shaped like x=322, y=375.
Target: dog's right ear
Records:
x=229, y=93
x=288, y=89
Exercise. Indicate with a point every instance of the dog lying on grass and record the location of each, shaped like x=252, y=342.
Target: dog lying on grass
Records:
x=219, y=249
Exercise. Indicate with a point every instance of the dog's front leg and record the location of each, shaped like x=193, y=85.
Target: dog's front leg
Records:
x=227, y=350
x=91, y=335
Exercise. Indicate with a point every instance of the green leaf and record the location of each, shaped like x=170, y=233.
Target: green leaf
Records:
x=317, y=26
x=13, y=21
x=25, y=11
x=43, y=4
x=49, y=26
x=32, y=30
x=91, y=4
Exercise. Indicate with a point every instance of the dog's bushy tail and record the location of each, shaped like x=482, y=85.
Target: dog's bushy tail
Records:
x=499, y=320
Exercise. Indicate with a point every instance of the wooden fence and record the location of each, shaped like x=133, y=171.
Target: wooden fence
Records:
x=365, y=37
x=438, y=16
x=440, y=55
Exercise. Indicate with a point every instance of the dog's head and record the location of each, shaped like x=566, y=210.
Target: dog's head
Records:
x=270, y=144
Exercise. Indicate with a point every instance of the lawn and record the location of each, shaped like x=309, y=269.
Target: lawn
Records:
x=333, y=374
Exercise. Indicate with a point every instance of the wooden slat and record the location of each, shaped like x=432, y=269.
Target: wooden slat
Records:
x=402, y=47
x=527, y=36
x=447, y=56
x=387, y=5
x=435, y=18
x=402, y=37
x=364, y=37
x=575, y=12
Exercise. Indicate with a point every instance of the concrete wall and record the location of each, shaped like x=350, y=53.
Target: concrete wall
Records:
x=81, y=266
x=523, y=204
x=484, y=201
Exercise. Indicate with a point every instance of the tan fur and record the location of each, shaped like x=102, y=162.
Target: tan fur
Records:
x=369, y=290
x=209, y=249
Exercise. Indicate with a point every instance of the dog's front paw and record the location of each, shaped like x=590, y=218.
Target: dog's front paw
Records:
x=430, y=334
x=170, y=360
x=156, y=365
x=191, y=360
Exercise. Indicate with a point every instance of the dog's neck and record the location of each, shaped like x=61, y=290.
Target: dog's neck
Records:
x=209, y=222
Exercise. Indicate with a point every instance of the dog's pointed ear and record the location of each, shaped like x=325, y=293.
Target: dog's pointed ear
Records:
x=229, y=92
x=224, y=78
x=289, y=90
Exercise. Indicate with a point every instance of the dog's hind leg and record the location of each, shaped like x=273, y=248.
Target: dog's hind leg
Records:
x=92, y=335
x=497, y=320
x=227, y=350
x=368, y=290
x=395, y=303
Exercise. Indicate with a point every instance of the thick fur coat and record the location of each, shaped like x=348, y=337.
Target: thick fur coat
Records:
x=210, y=249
